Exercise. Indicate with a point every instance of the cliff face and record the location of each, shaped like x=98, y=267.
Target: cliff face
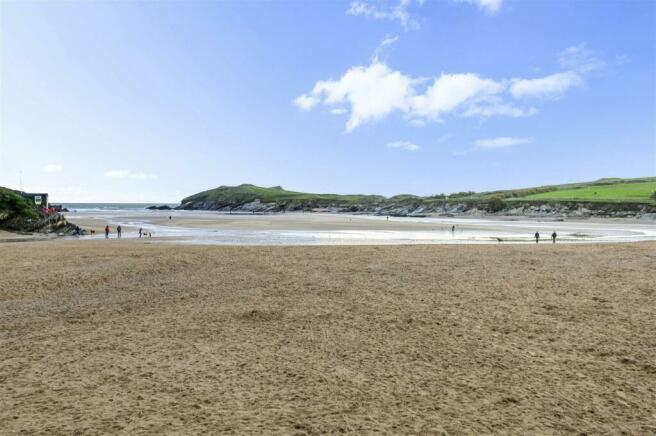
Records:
x=424, y=207
x=255, y=199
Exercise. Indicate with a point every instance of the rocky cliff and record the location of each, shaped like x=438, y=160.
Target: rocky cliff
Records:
x=253, y=199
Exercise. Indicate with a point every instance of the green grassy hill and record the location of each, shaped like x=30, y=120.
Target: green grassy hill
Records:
x=14, y=208
x=246, y=193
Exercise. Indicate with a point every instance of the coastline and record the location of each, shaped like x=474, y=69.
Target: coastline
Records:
x=320, y=228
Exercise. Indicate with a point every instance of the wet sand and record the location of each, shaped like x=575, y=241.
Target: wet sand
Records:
x=137, y=337
x=338, y=229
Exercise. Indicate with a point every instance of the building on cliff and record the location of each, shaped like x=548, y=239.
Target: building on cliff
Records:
x=39, y=199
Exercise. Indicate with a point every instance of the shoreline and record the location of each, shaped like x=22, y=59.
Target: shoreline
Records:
x=318, y=228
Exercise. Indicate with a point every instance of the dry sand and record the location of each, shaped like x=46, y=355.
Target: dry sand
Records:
x=130, y=337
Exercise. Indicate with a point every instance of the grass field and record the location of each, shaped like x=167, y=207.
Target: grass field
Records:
x=620, y=192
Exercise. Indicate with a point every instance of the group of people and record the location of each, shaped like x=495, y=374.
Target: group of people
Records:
x=554, y=235
x=119, y=232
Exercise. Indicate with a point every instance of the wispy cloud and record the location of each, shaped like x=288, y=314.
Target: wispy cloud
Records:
x=493, y=144
x=306, y=102
x=491, y=106
x=489, y=6
x=577, y=61
x=500, y=142
x=397, y=13
x=127, y=174
x=552, y=86
x=404, y=145
x=53, y=168
x=581, y=59
x=384, y=44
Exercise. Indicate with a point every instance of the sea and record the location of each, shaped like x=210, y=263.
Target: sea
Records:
x=112, y=206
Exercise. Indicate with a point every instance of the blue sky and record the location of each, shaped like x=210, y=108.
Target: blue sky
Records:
x=153, y=101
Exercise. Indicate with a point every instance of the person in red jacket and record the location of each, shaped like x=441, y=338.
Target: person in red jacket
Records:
x=107, y=232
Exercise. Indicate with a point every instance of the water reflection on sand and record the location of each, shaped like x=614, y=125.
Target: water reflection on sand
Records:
x=201, y=227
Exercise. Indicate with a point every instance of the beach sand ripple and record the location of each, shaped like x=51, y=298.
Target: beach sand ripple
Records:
x=137, y=338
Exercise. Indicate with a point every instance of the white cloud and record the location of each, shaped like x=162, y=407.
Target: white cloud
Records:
x=306, y=102
x=404, y=145
x=489, y=6
x=500, y=142
x=580, y=59
x=398, y=13
x=552, y=86
x=338, y=111
x=375, y=91
x=127, y=174
x=372, y=92
x=53, y=168
x=577, y=61
x=450, y=91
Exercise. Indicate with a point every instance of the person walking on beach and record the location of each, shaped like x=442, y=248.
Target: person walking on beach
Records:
x=553, y=237
x=140, y=231
x=537, y=237
x=118, y=231
x=107, y=232
x=453, y=228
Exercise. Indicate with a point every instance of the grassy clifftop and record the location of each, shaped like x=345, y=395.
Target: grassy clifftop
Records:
x=612, y=190
x=642, y=192
x=247, y=193
x=14, y=208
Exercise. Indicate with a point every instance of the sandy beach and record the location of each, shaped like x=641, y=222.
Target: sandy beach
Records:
x=134, y=337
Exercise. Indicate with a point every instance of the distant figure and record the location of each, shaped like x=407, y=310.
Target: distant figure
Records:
x=553, y=237
x=170, y=217
x=453, y=228
x=537, y=237
x=107, y=232
x=150, y=235
x=118, y=231
x=140, y=231
x=387, y=217
x=77, y=230
x=92, y=231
